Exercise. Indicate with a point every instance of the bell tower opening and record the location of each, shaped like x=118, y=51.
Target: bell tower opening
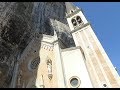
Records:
x=78, y=19
x=74, y=22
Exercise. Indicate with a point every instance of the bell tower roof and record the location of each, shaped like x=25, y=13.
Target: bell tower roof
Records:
x=70, y=7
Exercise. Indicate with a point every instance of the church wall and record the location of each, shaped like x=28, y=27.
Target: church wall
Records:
x=74, y=66
x=46, y=53
x=59, y=65
x=44, y=49
x=106, y=73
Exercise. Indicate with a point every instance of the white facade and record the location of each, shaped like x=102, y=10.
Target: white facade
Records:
x=99, y=67
x=74, y=66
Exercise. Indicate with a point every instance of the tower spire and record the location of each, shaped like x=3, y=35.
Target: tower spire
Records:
x=70, y=7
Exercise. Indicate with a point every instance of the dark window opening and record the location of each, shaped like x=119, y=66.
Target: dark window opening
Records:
x=74, y=22
x=78, y=19
x=71, y=11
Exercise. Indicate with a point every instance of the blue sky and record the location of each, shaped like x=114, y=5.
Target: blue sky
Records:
x=105, y=20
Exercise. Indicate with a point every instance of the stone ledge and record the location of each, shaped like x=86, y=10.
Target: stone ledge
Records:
x=84, y=25
x=69, y=49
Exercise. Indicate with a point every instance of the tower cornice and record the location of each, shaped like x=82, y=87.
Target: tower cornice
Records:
x=72, y=14
x=78, y=28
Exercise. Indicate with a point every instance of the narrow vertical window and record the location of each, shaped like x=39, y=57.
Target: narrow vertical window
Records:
x=49, y=66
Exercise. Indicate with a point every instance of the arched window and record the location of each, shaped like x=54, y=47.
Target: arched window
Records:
x=78, y=19
x=74, y=22
x=71, y=11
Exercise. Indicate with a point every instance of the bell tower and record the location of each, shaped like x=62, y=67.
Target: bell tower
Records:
x=99, y=66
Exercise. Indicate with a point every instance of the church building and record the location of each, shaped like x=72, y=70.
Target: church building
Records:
x=64, y=52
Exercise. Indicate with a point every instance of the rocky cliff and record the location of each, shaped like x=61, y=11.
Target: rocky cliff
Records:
x=19, y=21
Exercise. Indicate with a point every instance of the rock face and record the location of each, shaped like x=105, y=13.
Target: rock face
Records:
x=19, y=23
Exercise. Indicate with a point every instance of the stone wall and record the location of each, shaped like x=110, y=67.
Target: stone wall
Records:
x=15, y=32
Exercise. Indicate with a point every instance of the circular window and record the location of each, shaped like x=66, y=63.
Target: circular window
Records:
x=74, y=82
x=104, y=85
x=34, y=63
